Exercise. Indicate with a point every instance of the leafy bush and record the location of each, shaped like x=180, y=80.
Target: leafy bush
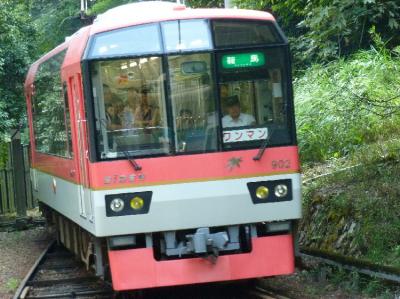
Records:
x=323, y=30
x=343, y=105
x=16, y=38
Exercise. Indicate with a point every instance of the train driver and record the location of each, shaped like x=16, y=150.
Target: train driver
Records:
x=235, y=118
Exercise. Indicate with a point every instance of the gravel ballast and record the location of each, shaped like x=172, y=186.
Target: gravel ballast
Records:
x=18, y=252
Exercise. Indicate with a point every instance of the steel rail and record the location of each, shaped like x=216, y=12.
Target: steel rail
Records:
x=54, y=276
x=327, y=174
x=387, y=273
x=21, y=288
x=262, y=293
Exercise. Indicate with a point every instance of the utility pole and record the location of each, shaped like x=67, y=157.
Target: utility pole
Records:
x=85, y=19
x=228, y=3
x=83, y=6
x=17, y=157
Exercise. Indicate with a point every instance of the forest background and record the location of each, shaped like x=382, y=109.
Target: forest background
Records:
x=346, y=70
x=321, y=32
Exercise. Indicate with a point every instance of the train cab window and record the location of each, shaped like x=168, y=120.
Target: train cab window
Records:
x=193, y=103
x=253, y=93
x=228, y=33
x=127, y=41
x=186, y=35
x=129, y=104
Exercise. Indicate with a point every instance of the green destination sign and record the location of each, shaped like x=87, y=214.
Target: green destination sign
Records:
x=233, y=61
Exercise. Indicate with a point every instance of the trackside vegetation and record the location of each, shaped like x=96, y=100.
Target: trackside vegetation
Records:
x=348, y=118
x=346, y=106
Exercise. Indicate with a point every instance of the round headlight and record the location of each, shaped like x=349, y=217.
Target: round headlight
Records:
x=137, y=203
x=117, y=205
x=262, y=192
x=281, y=190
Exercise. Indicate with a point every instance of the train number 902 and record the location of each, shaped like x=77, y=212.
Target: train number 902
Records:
x=280, y=164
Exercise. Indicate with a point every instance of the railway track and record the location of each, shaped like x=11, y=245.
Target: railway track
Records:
x=56, y=274
x=20, y=224
x=390, y=274
x=262, y=293
x=222, y=290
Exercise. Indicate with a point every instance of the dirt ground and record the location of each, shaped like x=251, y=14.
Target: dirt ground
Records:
x=18, y=252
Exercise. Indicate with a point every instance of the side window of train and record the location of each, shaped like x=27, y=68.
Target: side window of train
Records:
x=67, y=120
x=49, y=117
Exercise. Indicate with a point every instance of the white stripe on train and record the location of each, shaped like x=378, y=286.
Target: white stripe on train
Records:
x=173, y=207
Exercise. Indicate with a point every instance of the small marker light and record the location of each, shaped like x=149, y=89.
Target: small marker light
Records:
x=117, y=205
x=137, y=203
x=281, y=190
x=262, y=192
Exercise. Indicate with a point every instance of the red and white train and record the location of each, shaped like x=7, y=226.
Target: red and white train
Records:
x=164, y=145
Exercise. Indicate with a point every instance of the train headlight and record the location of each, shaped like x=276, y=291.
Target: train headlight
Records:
x=281, y=190
x=137, y=203
x=124, y=204
x=117, y=205
x=262, y=192
x=266, y=192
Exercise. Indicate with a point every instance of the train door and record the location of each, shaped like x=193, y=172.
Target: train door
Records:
x=85, y=204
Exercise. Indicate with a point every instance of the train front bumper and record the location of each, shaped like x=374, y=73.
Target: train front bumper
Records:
x=137, y=268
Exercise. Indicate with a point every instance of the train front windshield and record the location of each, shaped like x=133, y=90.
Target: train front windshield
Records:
x=194, y=86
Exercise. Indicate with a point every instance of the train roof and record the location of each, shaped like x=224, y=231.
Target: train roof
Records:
x=135, y=14
x=154, y=11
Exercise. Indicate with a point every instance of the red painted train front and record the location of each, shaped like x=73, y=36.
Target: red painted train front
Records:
x=164, y=147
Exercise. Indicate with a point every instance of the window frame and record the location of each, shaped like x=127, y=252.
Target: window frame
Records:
x=288, y=92
x=89, y=105
x=215, y=92
x=279, y=33
x=93, y=38
x=184, y=51
x=66, y=120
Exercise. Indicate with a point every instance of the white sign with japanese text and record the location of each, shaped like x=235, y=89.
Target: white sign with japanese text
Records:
x=245, y=135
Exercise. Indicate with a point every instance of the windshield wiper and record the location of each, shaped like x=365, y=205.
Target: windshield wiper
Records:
x=134, y=164
x=263, y=147
x=132, y=161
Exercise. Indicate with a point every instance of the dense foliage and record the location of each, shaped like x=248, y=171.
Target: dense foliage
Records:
x=322, y=30
x=16, y=38
x=54, y=20
x=347, y=104
x=332, y=96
